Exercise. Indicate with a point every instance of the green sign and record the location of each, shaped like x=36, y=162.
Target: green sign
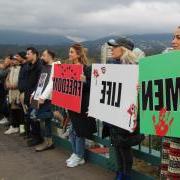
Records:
x=160, y=94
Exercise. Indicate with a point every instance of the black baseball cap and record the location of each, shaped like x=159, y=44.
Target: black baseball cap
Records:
x=22, y=54
x=127, y=43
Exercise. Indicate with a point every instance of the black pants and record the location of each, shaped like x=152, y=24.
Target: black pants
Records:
x=16, y=117
x=124, y=159
x=4, y=108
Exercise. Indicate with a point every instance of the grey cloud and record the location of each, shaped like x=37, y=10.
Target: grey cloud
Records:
x=87, y=19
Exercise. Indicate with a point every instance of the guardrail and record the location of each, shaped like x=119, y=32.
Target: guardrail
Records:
x=145, y=152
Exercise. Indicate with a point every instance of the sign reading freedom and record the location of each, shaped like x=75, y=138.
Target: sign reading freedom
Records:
x=160, y=94
x=67, y=86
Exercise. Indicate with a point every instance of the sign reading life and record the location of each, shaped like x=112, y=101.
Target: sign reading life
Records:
x=111, y=93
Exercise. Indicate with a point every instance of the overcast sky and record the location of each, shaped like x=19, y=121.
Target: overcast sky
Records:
x=90, y=18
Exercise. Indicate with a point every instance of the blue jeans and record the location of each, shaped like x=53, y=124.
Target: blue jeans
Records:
x=48, y=131
x=45, y=114
x=78, y=143
x=32, y=125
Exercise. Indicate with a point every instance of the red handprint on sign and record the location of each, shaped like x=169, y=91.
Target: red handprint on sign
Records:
x=96, y=74
x=132, y=111
x=162, y=127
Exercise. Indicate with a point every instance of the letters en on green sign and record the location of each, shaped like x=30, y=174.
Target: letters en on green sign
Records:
x=160, y=94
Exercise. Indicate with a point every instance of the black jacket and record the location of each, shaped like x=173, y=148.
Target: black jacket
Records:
x=34, y=71
x=83, y=125
x=23, y=78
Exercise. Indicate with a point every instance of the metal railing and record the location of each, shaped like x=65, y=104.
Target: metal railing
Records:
x=147, y=151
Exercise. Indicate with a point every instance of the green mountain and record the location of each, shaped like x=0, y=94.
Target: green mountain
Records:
x=13, y=41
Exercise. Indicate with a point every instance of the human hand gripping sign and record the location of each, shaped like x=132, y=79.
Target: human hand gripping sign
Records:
x=40, y=102
x=132, y=111
x=164, y=122
x=83, y=78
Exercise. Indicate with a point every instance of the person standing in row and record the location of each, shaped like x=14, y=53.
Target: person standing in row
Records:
x=44, y=111
x=22, y=86
x=13, y=94
x=34, y=69
x=82, y=126
x=121, y=139
x=170, y=158
x=4, y=109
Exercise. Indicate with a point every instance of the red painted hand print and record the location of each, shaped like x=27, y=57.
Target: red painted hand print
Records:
x=96, y=74
x=164, y=123
x=132, y=111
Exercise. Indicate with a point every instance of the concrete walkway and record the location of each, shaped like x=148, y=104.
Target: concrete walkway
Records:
x=19, y=162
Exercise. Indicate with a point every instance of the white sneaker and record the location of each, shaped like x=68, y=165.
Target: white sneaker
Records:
x=21, y=129
x=76, y=161
x=71, y=158
x=4, y=121
x=11, y=130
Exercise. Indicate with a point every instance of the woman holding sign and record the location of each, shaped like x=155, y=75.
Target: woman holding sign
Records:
x=82, y=126
x=122, y=140
x=170, y=161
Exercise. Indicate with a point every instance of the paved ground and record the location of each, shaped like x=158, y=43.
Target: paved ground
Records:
x=18, y=162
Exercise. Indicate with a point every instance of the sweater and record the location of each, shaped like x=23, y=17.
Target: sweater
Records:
x=12, y=79
x=23, y=78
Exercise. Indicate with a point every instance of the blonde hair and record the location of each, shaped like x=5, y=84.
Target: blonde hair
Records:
x=139, y=53
x=128, y=57
x=81, y=51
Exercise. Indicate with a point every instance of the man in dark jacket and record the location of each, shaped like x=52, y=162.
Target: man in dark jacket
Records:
x=34, y=65
x=23, y=74
x=34, y=69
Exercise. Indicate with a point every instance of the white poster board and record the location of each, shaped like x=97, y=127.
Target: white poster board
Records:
x=40, y=86
x=113, y=95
